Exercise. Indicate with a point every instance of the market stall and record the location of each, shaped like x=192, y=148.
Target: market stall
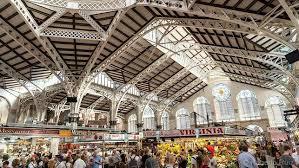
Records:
x=106, y=142
x=22, y=141
x=225, y=141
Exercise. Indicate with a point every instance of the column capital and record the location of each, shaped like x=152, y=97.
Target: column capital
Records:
x=113, y=123
x=139, y=125
x=159, y=127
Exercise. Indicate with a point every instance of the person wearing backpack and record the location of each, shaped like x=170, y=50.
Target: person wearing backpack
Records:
x=197, y=159
x=146, y=155
x=153, y=161
x=182, y=160
x=133, y=160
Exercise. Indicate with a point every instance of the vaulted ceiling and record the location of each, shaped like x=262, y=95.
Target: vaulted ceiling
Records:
x=247, y=39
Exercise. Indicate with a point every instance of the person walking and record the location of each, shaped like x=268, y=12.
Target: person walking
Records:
x=79, y=163
x=151, y=162
x=96, y=160
x=286, y=160
x=245, y=158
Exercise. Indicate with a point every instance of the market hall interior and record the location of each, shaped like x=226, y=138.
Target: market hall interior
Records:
x=162, y=80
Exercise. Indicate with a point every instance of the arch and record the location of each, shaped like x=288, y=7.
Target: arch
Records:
x=165, y=121
x=132, y=123
x=223, y=103
x=183, y=119
x=5, y=107
x=248, y=105
x=148, y=118
x=202, y=108
x=275, y=106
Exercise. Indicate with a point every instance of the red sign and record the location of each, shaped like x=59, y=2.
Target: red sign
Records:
x=28, y=131
x=185, y=132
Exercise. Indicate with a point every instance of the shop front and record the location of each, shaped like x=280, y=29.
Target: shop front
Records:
x=225, y=141
x=92, y=139
x=23, y=141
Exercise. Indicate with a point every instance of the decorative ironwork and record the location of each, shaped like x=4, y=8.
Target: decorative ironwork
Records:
x=93, y=23
x=72, y=34
x=60, y=12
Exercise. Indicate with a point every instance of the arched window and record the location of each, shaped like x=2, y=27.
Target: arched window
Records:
x=223, y=103
x=4, y=110
x=165, y=121
x=132, y=121
x=248, y=105
x=182, y=119
x=148, y=119
x=275, y=107
x=202, y=108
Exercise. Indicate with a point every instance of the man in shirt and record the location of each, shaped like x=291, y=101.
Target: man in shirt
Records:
x=211, y=149
x=286, y=160
x=79, y=163
x=96, y=160
x=145, y=157
x=195, y=159
x=245, y=159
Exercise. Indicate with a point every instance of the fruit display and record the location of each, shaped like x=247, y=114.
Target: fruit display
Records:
x=226, y=149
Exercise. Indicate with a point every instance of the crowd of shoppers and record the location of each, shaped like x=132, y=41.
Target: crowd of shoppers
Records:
x=117, y=159
x=284, y=157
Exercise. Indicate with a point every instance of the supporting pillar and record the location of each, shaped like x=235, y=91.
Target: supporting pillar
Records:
x=54, y=144
x=113, y=111
x=41, y=106
x=140, y=108
x=113, y=124
x=139, y=127
x=158, y=120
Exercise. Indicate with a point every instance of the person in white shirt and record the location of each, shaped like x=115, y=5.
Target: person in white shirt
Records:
x=212, y=161
x=60, y=162
x=295, y=156
x=32, y=163
x=79, y=163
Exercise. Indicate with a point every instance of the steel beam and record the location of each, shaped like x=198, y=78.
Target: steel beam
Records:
x=95, y=103
x=23, y=82
x=17, y=76
x=27, y=45
x=86, y=5
x=243, y=68
x=93, y=23
x=273, y=59
x=291, y=14
x=59, y=12
x=233, y=16
x=205, y=24
x=266, y=84
x=277, y=78
x=71, y=34
x=47, y=45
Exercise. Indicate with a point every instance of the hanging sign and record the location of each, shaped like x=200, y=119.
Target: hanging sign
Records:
x=121, y=137
x=133, y=137
x=28, y=131
x=186, y=132
x=65, y=133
